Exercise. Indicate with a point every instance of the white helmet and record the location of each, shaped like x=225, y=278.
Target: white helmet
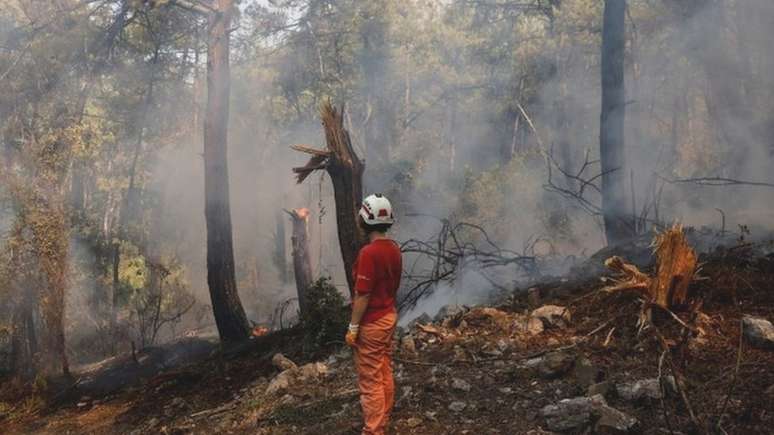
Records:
x=376, y=210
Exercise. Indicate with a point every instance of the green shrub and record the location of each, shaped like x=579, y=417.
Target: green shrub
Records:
x=326, y=319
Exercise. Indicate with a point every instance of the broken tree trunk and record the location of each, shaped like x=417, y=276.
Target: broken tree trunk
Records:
x=676, y=264
x=346, y=171
x=302, y=263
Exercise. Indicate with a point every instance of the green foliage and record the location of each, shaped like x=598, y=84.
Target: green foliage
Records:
x=326, y=319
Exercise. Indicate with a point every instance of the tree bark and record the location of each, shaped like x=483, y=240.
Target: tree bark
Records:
x=302, y=263
x=280, y=252
x=611, y=128
x=346, y=171
x=229, y=313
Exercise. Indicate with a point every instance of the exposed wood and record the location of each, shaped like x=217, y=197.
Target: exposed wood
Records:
x=676, y=264
x=302, y=263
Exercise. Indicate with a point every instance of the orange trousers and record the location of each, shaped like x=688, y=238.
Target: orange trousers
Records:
x=373, y=361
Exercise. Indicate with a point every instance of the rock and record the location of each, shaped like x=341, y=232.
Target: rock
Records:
x=282, y=362
x=460, y=385
x=457, y=406
x=643, y=389
x=555, y=364
x=177, y=402
x=569, y=414
x=613, y=421
x=280, y=383
x=758, y=331
x=407, y=344
x=305, y=373
x=448, y=311
x=553, y=316
x=535, y=326
x=600, y=388
x=579, y=412
x=585, y=372
x=311, y=371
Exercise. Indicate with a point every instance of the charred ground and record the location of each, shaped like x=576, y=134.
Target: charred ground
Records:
x=473, y=370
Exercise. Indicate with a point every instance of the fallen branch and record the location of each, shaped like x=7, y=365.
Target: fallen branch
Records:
x=457, y=245
x=717, y=181
x=736, y=376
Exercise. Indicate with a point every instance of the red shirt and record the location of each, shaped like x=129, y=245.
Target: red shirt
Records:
x=377, y=273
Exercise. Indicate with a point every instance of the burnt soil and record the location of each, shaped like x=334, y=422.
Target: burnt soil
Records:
x=225, y=391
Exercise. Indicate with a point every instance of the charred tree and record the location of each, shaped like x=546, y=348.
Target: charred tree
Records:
x=346, y=171
x=611, y=126
x=302, y=263
x=229, y=314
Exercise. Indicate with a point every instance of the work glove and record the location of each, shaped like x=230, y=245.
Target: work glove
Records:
x=351, y=337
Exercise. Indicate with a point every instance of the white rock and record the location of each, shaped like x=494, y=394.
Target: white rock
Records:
x=758, y=331
x=457, y=406
x=460, y=385
x=280, y=383
x=643, y=389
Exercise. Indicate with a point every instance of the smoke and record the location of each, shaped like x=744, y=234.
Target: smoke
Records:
x=699, y=84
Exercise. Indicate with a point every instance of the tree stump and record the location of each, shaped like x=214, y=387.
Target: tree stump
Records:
x=676, y=264
x=302, y=264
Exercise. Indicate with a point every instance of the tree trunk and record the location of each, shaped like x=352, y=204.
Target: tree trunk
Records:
x=302, y=263
x=611, y=128
x=346, y=171
x=229, y=314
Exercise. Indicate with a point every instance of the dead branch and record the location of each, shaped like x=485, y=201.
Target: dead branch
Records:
x=734, y=380
x=679, y=382
x=662, y=387
x=716, y=181
x=441, y=258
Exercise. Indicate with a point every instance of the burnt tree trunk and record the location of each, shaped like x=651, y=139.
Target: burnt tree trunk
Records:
x=229, y=313
x=611, y=127
x=302, y=263
x=346, y=171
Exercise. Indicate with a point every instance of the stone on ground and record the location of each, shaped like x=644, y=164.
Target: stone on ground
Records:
x=555, y=364
x=282, y=362
x=580, y=412
x=644, y=389
x=758, y=331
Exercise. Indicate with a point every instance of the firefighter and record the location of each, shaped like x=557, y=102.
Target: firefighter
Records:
x=374, y=316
